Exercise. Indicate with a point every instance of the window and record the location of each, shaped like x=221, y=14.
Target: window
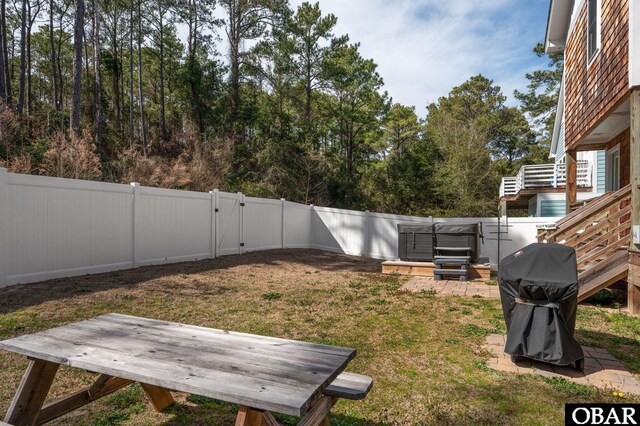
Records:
x=613, y=183
x=593, y=23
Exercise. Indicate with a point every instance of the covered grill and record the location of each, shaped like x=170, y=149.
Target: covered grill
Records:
x=539, y=292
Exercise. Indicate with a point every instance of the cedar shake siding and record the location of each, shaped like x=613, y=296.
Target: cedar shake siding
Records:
x=624, y=140
x=592, y=90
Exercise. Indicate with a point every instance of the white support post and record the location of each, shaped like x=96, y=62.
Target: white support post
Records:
x=367, y=233
x=4, y=226
x=214, y=225
x=282, y=222
x=135, y=187
x=241, y=222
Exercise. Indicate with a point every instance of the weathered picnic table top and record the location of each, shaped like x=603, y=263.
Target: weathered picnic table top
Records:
x=267, y=373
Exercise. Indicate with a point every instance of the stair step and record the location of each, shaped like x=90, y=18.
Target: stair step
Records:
x=452, y=257
x=452, y=262
x=602, y=280
x=450, y=272
x=599, y=268
x=453, y=248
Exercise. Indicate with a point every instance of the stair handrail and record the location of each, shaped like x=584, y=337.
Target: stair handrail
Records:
x=598, y=231
x=576, y=217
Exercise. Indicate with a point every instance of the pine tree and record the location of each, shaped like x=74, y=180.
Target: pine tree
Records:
x=78, y=29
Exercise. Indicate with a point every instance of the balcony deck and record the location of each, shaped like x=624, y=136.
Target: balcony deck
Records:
x=531, y=180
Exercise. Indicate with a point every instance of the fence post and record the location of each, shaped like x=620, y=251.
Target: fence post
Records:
x=241, y=222
x=367, y=233
x=216, y=220
x=135, y=186
x=212, y=220
x=311, y=226
x=282, y=203
x=4, y=226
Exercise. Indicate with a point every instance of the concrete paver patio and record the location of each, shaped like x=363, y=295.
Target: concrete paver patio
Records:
x=601, y=370
x=452, y=287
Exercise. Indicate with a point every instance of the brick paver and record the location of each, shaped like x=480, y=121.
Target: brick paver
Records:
x=452, y=288
x=601, y=369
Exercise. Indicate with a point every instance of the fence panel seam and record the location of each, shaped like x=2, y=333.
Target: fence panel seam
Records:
x=135, y=225
x=4, y=227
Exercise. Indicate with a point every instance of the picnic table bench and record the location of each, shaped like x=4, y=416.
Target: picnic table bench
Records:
x=261, y=374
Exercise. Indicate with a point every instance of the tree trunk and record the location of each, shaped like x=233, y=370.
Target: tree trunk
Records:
x=77, y=66
x=234, y=56
x=32, y=17
x=116, y=78
x=3, y=92
x=23, y=58
x=307, y=105
x=194, y=45
x=5, y=52
x=61, y=82
x=54, y=73
x=61, y=85
x=190, y=26
x=163, y=122
x=123, y=92
x=131, y=75
x=193, y=27
x=140, y=92
x=193, y=48
x=86, y=55
x=97, y=77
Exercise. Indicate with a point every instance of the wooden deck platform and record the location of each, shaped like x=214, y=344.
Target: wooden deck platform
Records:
x=426, y=269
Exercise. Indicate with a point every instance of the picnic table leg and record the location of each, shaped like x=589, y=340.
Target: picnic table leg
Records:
x=247, y=416
x=160, y=398
x=31, y=393
x=103, y=386
x=319, y=414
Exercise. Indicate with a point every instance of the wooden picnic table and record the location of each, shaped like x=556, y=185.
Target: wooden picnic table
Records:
x=261, y=374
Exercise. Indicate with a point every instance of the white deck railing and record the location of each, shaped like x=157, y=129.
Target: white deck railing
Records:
x=539, y=176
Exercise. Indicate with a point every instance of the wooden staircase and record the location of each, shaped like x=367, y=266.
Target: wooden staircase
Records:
x=600, y=232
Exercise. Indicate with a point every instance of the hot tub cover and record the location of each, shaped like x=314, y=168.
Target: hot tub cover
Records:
x=410, y=228
x=539, y=292
x=456, y=228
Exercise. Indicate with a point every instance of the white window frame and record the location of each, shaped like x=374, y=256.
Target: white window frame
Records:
x=596, y=51
x=609, y=186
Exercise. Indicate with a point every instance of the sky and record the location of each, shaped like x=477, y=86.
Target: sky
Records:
x=424, y=48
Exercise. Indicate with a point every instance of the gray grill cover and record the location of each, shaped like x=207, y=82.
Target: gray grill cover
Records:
x=539, y=292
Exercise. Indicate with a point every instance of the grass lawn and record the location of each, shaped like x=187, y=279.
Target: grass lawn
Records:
x=424, y=352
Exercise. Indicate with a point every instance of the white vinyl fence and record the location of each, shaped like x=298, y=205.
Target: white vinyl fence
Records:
x=375, y=235
x=52, y=227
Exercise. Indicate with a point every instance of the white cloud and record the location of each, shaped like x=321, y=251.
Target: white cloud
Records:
x=426, y=47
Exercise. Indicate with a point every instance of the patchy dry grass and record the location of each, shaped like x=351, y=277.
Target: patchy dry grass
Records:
x=424, y=352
